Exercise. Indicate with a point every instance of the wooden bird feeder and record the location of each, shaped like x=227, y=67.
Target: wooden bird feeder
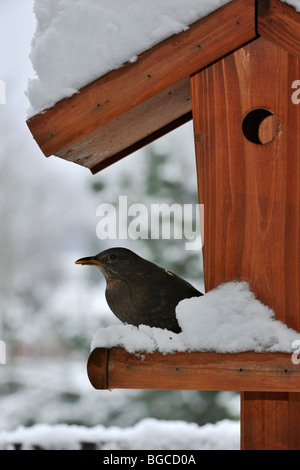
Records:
x=232, y=72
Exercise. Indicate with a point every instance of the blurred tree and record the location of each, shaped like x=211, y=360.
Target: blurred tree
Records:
x=161, y=179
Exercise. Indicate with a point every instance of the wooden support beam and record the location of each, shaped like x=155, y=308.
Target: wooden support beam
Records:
x=280, y=23
x=95, y=125
x=270, y=421
x=250, y=190
x=116, y=368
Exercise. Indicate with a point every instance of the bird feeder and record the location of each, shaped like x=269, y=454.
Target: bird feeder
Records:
x=235, y=73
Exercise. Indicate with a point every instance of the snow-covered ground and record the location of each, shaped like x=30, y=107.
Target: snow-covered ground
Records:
x=148, y=434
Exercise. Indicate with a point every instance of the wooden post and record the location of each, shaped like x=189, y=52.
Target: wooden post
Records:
x=248, y=157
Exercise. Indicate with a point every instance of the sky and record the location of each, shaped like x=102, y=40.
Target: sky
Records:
x=17, y=26
x=29, y=167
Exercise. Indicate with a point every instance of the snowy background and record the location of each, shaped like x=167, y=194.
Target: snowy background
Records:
x=50, y=308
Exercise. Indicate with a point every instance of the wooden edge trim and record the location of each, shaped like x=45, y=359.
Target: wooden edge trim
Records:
x=280, y=23
x=108, y=97
x=247, y=371
x=97, y=368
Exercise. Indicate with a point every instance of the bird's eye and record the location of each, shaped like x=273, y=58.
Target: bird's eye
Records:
x=112, y=257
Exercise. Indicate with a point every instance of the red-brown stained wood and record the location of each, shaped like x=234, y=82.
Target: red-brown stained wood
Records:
x=144, y=140
x=279, y=23
x=193, y=371
x=251, y=197
x=58, y=129
x=268, y=129
x=270, y=421
x=97, y=368
x=133, y=129
x=250, y=192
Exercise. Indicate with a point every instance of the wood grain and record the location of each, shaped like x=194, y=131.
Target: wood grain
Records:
x=193, y=371
x=71, y=120
x=270, y=421
x=161, y=131
x=279, y=23
x=133, y=129
x=250, y=192
x=251, y=197
x=98, y=361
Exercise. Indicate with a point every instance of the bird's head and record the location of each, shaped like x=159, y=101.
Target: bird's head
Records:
x=114, y=262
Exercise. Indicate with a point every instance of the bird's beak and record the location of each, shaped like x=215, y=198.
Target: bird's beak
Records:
x=88, y=260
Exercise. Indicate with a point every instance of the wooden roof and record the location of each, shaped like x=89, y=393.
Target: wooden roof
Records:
x=132, y=106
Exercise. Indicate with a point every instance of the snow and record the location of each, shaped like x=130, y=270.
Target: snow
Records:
x=148, y=434
x=228, y=319
x=294, y=3
x=77, y=41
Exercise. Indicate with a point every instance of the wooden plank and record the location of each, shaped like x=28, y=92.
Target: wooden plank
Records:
x=143, y=123
x=193, y=371
x=166, y=64
x=270, y=421
x=142, y=142
x=279, y=23
x=251, y=197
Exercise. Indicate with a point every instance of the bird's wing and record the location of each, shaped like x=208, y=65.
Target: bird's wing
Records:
x=160, y=284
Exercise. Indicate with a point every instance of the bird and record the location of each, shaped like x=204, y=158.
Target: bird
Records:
x=138, y=291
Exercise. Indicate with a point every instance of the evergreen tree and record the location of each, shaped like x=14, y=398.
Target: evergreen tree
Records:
x=161, y=179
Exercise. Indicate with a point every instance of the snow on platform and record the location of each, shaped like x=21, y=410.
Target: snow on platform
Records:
x=228, y=319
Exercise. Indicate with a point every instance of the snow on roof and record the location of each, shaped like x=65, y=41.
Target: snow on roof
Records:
x=294, y=3
x=77, y=41
x=228, y=319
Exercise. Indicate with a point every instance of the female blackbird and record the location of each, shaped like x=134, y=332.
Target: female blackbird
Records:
x=138, y=291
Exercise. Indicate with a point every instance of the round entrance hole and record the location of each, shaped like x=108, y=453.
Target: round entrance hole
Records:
x=260, y=126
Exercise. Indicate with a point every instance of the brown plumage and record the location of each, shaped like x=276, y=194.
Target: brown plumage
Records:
x=138, y=291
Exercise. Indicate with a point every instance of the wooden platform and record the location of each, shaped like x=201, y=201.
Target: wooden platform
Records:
x=248, y=371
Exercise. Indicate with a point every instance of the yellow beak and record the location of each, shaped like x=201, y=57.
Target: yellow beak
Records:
x=88, y=260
